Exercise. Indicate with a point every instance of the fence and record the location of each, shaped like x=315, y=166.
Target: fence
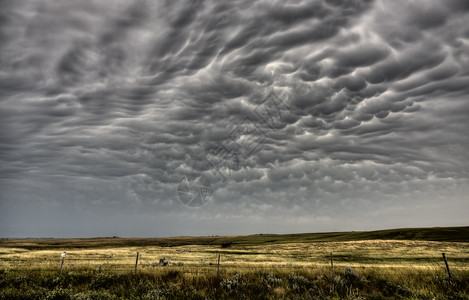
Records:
x=223, y=261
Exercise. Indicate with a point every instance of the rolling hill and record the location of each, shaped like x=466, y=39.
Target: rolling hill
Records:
x=446, y=234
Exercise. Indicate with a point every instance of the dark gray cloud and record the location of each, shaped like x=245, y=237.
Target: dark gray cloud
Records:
x=335, y=115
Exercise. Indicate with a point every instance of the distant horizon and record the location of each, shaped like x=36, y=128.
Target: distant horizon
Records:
x=235, y=235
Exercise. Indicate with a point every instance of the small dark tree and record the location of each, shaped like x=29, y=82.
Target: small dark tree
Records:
x=225, y=244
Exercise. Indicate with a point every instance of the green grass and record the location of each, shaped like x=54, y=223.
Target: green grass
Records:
x=449, y=234
x=173, y=283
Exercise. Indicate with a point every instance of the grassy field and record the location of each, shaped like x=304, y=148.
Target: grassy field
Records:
x=390, y=264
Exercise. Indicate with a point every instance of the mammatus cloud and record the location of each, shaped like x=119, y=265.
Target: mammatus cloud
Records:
x=104, y=107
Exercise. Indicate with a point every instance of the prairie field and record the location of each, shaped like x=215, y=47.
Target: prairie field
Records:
x=252, y=268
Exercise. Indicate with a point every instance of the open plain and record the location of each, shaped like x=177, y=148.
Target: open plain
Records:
x=401, y=263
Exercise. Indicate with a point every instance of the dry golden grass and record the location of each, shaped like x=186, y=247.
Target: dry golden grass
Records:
x=378, y=254
x=380, y=269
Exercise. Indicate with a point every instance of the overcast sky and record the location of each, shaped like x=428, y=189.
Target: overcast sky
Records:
x=163, y=118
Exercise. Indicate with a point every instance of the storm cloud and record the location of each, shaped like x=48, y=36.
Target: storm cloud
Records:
x=105, y=106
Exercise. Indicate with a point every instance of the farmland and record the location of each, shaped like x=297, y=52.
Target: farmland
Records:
x=401, y=263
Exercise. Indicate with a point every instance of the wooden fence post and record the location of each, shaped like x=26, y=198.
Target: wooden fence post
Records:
x=218, y=270
x=63, y=260
x=447, y=266
x=332, y=265
x=136, y=263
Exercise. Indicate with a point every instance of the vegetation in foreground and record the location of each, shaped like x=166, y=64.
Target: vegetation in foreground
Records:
x=174, y=283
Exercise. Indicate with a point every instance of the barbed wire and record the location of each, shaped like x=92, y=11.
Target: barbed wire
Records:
x=427, y=270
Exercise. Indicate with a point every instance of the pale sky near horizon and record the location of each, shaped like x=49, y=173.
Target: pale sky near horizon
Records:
x=167, y=118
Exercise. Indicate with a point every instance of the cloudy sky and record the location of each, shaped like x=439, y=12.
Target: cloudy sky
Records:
x=162, y=118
